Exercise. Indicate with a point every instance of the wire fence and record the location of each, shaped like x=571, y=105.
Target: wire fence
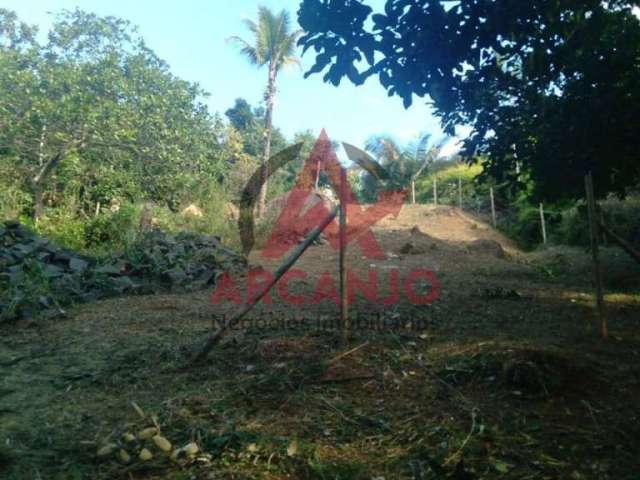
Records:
x=487, y=204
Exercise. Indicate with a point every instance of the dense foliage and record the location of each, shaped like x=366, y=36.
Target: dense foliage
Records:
x=94, y=123
x=550, y=87
x=95, y=113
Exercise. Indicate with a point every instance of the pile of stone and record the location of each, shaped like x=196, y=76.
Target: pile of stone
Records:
x=39, y=278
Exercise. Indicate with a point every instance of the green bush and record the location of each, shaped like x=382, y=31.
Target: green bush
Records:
x=113, y=230
x=213, y=201
x=621, y=216
x=62, y=227
x=14, y=202
x=26, y=295
x=447, y=175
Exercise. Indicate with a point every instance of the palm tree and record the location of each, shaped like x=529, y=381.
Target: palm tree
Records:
x=404, y=165
x=273, y=44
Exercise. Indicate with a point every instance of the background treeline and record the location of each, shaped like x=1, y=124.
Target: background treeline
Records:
x=93, y=125
x=464, y=184
x=518, y=214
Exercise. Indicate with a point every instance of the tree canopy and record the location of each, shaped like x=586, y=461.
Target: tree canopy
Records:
x=551, y=88
x=95, y=102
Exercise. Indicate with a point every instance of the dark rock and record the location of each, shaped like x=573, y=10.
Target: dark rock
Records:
x=158, y=261
x=78, y=265
x=52, y=271
x=411, y=248
x=175, y=276
x=113, y=270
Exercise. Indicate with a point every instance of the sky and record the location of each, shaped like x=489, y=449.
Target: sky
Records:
x=191, y=36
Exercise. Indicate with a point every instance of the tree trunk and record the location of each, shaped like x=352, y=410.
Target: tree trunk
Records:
x=38, y=205
x=266, y=147
x=38, y=185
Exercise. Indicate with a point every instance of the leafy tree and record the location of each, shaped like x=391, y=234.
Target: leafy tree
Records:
x=273, y=44
x=250, y=123
x=241, y=115
x=96, y=101
x=551, y=88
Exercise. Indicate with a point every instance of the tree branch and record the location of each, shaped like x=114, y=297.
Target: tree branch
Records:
x=47, y=167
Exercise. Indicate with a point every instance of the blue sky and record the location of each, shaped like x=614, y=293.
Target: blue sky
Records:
x=190, y=35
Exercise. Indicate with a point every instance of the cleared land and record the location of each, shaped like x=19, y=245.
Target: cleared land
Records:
x=504, y=380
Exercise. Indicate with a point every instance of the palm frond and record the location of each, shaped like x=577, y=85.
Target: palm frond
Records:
x=423, y=144
x=251, y=25
x=290, y=61
x=383, y=147
x=247, y=50
x=273, y=41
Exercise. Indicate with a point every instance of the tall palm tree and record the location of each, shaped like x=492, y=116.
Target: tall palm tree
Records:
x=273, y=44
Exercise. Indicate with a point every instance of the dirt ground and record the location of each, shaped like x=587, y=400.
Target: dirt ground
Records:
x=502, y=376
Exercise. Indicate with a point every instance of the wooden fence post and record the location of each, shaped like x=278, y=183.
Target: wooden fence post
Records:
x=413, y=192
x=605, y=242
x=493, y=208
x=460, y=193
x=542, y=225
x=344, y=301
x=597, y=270
x=435, y=191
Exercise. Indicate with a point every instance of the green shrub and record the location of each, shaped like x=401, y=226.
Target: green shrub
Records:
x=25, y=295
x=447, y=175
x=213, y=201
x=113, y=230
x=14, y=202
x=62, y=227
x=524, y=226
x=621, y=216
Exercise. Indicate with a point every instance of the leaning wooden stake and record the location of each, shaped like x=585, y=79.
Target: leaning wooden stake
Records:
x=597, y=270
x=213, y=340
x=344, y=303
x=493, y=208
x=543, y=227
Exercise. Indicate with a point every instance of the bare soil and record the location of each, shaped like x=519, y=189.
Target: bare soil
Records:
x=503, y=376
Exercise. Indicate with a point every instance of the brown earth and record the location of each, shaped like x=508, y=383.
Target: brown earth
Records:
x=500, y=377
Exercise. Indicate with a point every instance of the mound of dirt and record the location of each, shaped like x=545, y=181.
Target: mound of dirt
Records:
x=419, y=244
x=531, y=374
x=295, y=232
x=192, y=211
x=440, y=210
x=540, y=373
x=485, y=246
